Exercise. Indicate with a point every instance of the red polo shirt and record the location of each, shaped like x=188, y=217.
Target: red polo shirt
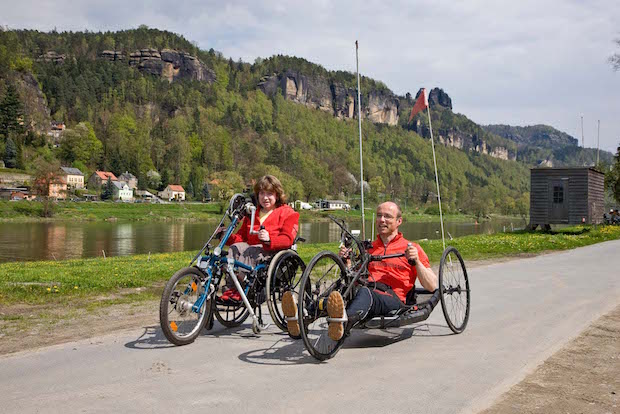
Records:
x=282, y=225
x=396, y=272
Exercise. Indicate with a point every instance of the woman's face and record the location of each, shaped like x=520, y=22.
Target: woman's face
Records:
x=267, y=200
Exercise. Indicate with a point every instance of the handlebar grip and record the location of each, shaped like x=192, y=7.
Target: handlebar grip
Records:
x=412, y=262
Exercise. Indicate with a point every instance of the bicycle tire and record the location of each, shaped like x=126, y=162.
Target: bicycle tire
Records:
x=454, y=290
x=184, y=327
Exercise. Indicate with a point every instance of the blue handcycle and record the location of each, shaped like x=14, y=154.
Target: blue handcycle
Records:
x=192, y=297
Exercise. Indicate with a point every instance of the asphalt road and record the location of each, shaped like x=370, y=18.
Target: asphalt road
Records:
x=522, y=311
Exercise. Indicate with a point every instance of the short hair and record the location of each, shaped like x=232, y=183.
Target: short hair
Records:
x=399, y=211
x=271, y=183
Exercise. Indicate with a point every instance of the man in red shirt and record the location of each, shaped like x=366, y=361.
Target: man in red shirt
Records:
x=393, y=278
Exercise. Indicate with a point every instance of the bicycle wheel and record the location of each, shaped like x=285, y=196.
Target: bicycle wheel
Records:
x=179, y=322
x=284, y=274
x=454, y=290
x=322, y=276
x=229, y=313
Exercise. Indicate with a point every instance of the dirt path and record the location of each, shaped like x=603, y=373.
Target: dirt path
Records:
x=583, y=377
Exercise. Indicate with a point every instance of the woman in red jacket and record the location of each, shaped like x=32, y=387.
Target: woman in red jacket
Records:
x=278, y=224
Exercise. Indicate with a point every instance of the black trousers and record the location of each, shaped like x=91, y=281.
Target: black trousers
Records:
x=369, y=303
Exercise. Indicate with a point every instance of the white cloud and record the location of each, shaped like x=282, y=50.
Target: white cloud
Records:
x=521, y=63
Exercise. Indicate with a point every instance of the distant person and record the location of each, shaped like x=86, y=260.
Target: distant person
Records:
x=393, y=278
x=277, y=225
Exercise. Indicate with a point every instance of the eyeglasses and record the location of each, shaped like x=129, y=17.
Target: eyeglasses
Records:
x=386, y=217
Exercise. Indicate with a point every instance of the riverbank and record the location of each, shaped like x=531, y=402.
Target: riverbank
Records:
x=41, y=301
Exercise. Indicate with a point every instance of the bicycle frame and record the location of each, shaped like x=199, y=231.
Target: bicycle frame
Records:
x=210, y=263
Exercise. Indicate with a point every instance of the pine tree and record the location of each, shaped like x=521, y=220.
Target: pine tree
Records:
x=108, y=191
x=10, y=154
x=11, y=113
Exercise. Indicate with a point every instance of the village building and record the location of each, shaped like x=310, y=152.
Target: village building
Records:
x=173, y=192
x=566, y=196
x=121, y=191
x=100, y=178
x=332, y=205
x=130, y=179
x=73, y=177
x=57, y=188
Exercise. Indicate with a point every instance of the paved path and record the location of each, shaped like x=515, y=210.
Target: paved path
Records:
x=522, y=312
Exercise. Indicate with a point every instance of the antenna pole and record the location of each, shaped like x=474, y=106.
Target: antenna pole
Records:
x=359, y=119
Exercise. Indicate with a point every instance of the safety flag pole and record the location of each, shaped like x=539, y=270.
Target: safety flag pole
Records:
x=421, y=104
x=359, y=119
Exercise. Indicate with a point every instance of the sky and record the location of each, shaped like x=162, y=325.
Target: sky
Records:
x=512, y=62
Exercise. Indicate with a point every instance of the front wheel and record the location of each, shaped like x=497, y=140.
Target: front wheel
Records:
x=180, y=322
x=284, y=274
x=324, y=274
x=454, y=289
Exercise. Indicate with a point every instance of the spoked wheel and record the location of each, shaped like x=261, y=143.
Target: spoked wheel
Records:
x=284, y=274
x=322, y=276
x=454, y=289
x=181, y=323
x=230, y=314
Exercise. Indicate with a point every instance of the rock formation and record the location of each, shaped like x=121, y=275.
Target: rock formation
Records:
x=332, y=97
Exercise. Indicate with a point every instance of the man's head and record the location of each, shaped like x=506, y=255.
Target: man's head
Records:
x=389, y=217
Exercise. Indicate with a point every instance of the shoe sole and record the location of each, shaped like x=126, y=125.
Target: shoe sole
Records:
x=335, y=309
x=289, y=308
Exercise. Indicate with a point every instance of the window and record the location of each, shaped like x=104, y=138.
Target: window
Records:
x=558, y=194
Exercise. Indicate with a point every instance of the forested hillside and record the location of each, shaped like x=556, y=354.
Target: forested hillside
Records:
x=222, y=129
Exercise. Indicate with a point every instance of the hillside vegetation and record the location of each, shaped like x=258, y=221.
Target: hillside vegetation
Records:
x=226, y=132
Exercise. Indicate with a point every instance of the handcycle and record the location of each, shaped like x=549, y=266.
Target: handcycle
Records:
x=192, y=296
x=327, y=272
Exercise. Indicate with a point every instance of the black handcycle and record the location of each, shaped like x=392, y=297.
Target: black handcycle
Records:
x=327, y=272
x=192, y=296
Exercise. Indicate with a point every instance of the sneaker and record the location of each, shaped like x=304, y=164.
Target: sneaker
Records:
x=336, y=310
x=230, y=295
x=289, y=308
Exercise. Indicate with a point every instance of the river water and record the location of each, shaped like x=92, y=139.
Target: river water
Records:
x=65, y=240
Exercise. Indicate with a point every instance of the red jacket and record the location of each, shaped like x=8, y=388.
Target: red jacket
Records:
x=396, y=272
x=282, y=225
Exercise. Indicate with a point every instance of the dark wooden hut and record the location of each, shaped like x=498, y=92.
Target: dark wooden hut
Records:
x=566, y=196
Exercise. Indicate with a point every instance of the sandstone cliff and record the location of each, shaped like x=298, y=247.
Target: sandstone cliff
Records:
x=167, y=63
x=332, y=97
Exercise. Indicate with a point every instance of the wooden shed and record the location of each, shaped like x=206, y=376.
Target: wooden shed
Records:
x=566, y=196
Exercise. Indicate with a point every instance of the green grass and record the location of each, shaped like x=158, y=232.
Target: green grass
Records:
x=60, y=282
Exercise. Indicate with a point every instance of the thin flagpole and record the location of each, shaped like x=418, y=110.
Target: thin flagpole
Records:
x=359, y=119
x=598, y=141
x=430, y=125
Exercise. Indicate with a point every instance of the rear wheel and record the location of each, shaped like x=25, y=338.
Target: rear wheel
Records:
x=454, y=290
x=322, y=276
x=179, y=321
x=230, y=313
x=284, y=274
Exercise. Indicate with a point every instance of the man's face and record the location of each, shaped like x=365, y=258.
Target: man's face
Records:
x=387, y=219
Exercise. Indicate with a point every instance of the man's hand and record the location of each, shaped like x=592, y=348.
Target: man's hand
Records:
x=344, y=251
x=411, y=254
x=263, y=235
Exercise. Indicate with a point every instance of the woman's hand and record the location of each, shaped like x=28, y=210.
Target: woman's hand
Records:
x=263, y=235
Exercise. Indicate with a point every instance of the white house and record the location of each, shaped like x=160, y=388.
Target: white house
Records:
x=333, y=205
x=172, y=192
x=301, y=205
x=121, y=191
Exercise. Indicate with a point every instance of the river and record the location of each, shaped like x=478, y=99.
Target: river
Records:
x=66, y=240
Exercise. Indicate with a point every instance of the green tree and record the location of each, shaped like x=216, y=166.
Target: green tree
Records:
x=612, y=179
x=107, y=190
x=80, y=144
x=11, y=113
x=10, y=154
x=46, y=174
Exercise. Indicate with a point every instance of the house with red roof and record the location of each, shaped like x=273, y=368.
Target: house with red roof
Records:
x=100, y=178
x=172, y=192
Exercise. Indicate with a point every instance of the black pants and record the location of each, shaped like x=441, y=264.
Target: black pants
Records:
x=369, y=303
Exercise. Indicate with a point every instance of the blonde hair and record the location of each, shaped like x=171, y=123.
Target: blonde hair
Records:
x=272, y=184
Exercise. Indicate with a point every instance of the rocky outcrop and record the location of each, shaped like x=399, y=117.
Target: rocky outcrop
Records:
x=382, y=108
x=332, y=97
x=52, y=56
x=439, y=97
x=35, y=104
x=170, y=65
